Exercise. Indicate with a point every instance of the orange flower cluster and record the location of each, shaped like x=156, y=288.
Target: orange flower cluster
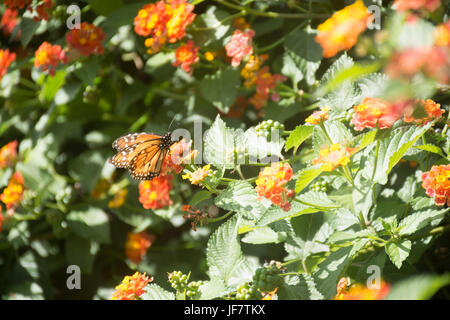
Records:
x=341, y=31
x=12, y=195
x=137, y=245
x=17, y=4
x=87, y=40
x=155, y=194
x=265, y=82
x=42, y=10
x=9, y=22
x=118, y=199
x=436, y=182
x=198, y=175
x=271, y=184
x=180, y=153
x=318, y=116
x=237, y=108
x=48, y=57
x=442, y=35
x=240, y=46
x=431, y=108
x=374, y=112
x=164, y=21
x=6, y=58
x=334, y=156
x=251, y=67
x=360, y=292
x=8, y=154
x=403, y=5
x=432, y=61
x=132, y=287
x=186, y=56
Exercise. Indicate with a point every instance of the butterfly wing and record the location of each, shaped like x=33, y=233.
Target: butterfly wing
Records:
x=148, y=163
x=134, y=139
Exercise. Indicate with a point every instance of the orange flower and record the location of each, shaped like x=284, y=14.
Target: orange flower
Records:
x=240, y=46
x=9, y=22
x=341, y=31
x=6, y=58
x=360, y=292
x=137, y=245
x=334, y=156
x=265, y=82
x=251, y=67
x=186, y=56
x=100, y=188
x=155, y=194
x=436, y=182
x=271, y=184
x=403, y=5
x=318, y=116
x=8, y=154
x=12, y=195
x=43, y=10
x=132, y=287
x=431, y=109
x=87, y=40
x=180, y=153
x=119, y=199
x=374, y=112
x=163, y=21
x=48, y=57
x=241, y=23
x=17, y=4
x=442, y=34
x=198, y=175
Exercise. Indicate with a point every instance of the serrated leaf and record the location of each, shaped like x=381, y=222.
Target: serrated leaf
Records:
x=221, y=88
x=212, y=289
x=259, y=148
x=431, y=148
x=419, y=220
x=264, y=235
x=306, y=176
x=317, y=200
x=398, y=251
x=219, y=145
x=200, y=196
x=274, y=214
x=155, y=292
x=298, y=136
x=300, y=287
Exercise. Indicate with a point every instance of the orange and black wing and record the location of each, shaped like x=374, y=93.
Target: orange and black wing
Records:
x=147, y=164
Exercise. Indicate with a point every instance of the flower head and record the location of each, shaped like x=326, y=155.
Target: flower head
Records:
x=374, y=112
x=430, y=109
x=48, y=56
x=334, y=156
x=12, y=195
x=271, y=184
x=119, y=198
x=6, y=58
x=251, y=67
x=9, y=22
x=341, y=31
x=137, y=245
x=442, y=34
x=180, y=153
x=132, y=287
x=436, y=182
x=198, y=175
x=43, y=10
x=403, y=5
x=360, y=292
x=186, y=56
x=17, y=4
x=8, y=154
x=155, y=194
x=87, y=39
x=240, y=46
x=318, y=116
x=265, y=82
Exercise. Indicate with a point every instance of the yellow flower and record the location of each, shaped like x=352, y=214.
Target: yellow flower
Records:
x=198, y=175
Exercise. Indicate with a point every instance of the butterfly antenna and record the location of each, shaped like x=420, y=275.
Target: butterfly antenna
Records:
x=171, y=123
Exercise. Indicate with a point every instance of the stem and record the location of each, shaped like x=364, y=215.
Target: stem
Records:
x=374, y=199
x=220, y=218
x=281, y=40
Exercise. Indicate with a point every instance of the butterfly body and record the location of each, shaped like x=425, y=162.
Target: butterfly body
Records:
x=141, y=153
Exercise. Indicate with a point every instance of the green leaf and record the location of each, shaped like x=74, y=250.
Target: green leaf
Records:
x=200, y=196
x=28, y=28
x=306, y=176
x=212, y=289
x=213, y=25
x=89, y=223
x=418, y=220
x=398, y=251
x=407, y=191
x=87, y=71
x=317, y=200
x=259, y=148
x=264, y=235
x=274, y=213
x=302, y=56
x=419, y=287
x=221, y=88
x=431, y=148
x=81, y=252
x=240, y=196
x=105, y=8
x=219, y=145
x=224, y=256
x=298, y=136
x=155, y=292
x=300, y=287
x=52, y=85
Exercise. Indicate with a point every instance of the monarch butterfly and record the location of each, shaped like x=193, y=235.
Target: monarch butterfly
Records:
x=141, y=153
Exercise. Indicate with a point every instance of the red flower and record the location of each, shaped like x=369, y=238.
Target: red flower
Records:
x=271, y=184
x=8, y=154
x=240, y=46
x=87, y=40
x=155, y=194
x=436, y=182
x=265, y=82
x=186, y=56
x=9, y=22
x=132, y=287
x=431, y=109
x=17, y=4
x=43, y=10
x=180, y=153
x=6, y=58
x=374, y=112
x=360, y=292
x=48, y=57
x=403, y=5
x=137, y=245
x=12, y=195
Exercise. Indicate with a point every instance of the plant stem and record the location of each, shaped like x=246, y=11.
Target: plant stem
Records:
x=220, y=218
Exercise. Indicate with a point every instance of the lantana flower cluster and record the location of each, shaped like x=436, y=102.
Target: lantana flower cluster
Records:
x=41, y=11
x=240, y=46
x=132, y=287
x=271, y=184
x=48, y=56
x=13, y=194
x=137, y=245
x=9, y=22
x=186, y=55
x=163, y=21
x=318, y=116
x=198, y=175
x=8, y=154
x=6, y=58
x=436, y=182
x=87, y=39
x=358, y=291
x=331, y=157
